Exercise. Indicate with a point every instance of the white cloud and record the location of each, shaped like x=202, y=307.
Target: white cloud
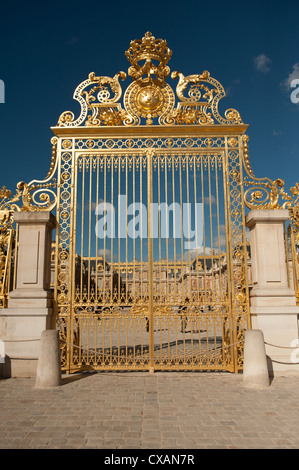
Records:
x=200, y=251
x=102, y=252
x=211, y=199
x=107, y=255
x=262, y=63
x=286, y=84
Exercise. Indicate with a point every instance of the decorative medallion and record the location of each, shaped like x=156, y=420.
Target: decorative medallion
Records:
x=149, y=99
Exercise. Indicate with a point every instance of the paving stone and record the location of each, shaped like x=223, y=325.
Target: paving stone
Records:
x=138, y=410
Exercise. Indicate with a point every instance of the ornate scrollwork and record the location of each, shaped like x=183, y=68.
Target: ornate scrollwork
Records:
x=195, y=91
x=28, y=198
x=35, y=196
x=98, y=105
x=264, y=193
x=7, y=233
x=101, y=87
x=201, y=104
x=149, y=96
x=189, y=114
x=103, y=108
x=46, y=198
x=7, y=204
x=293, y=206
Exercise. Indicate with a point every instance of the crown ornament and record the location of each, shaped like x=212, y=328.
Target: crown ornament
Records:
x=148, y=49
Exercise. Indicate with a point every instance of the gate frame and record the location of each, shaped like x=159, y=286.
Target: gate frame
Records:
x=233, y=136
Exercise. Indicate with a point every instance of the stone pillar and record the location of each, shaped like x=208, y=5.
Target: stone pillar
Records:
x=255, y=370
x=272, y=302
x=30, y=307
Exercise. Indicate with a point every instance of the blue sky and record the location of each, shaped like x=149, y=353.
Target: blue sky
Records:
x=48, y=48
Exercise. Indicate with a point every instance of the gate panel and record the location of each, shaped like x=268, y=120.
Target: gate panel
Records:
x=111, y=263
x=190, y=284
x=144, y=261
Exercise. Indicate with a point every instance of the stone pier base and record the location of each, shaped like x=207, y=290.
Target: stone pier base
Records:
x=273, y=306
x=30, y=309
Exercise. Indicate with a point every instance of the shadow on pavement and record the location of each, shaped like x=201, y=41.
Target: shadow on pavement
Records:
x=69, y=378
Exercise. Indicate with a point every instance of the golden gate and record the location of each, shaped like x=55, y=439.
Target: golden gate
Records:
x=170, y=292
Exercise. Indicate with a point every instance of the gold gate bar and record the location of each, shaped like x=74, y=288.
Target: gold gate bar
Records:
x=89, y=225
x=97, y=249
x=112, y=229
x=82, y=229
x=150, y=262
x=104, y=262
x=203, y=225
x=196, y=229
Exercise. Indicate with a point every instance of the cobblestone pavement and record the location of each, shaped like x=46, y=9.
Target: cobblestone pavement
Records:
x=149, y=411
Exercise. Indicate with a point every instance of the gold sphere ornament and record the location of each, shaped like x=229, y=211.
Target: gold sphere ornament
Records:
x=149, y=99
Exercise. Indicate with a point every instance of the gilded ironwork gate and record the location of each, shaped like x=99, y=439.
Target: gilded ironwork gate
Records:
x=142, y=290
x=151, y=252
x=150, y=264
